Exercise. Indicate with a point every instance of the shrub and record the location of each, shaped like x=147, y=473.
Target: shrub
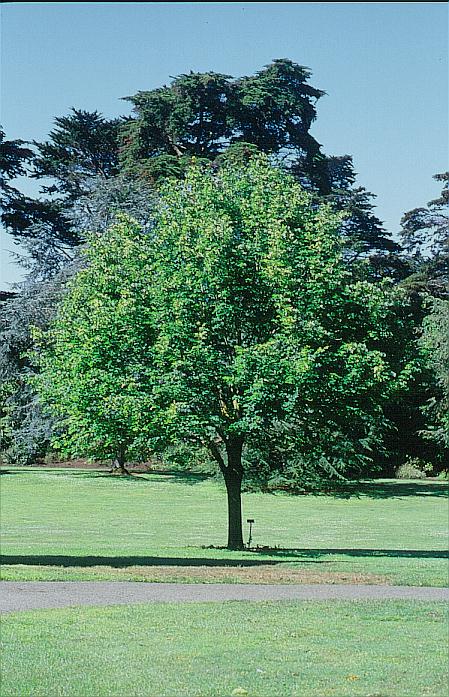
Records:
x=414, y=468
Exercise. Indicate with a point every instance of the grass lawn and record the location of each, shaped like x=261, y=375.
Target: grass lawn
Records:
x=369, y=649
x=61, y=524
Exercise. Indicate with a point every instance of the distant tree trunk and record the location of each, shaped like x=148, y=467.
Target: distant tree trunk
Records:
x=233, y=476
x=118, y=464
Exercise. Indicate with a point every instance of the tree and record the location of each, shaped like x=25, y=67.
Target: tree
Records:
x=105, y=199
x=404, y=439
x=91, y=360
x=425, y=236
x=96, y=165
x=25, y=430
x=208, y=115
x=435, y=341
x=364, y=236
x=201, y=114
x=82, y=146
x=17, y=209
x=425, y=260
x=232, y=317
x=258, y=325
x=13, y=157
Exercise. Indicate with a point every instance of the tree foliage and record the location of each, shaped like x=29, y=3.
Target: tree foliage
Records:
x=92, y=369
x=92, y=168
x=201, y=114
x=18, y=211
x=25, y=430
x=435, y=340
x=425, y=236
x=210, y=115
x=364, y=236
x=82, y=146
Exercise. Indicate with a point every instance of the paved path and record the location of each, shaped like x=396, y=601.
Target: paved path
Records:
x=31, y=595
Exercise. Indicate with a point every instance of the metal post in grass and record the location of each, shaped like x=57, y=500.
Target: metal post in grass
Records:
x=250, y=521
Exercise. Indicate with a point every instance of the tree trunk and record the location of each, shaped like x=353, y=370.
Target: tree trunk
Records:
x=233, y=476
x=118, y=465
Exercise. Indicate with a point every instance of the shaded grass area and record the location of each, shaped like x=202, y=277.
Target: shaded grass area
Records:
x=307, y=649
x=61, y=524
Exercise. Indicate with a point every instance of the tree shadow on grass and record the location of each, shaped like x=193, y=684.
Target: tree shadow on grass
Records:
x=375, y=489
x=169, y=476
x=146, y=477
x=302, y=556
x=119, y=562
x=393, y=489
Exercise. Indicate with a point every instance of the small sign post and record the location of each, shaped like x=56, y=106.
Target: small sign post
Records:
x=250, y=521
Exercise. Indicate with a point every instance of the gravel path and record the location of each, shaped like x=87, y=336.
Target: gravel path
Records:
x=32, y=595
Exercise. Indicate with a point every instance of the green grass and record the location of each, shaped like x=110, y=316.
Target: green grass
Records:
x=82, y=524
x=339, y=649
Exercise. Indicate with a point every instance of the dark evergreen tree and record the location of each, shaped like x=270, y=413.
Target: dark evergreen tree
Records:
x=24, y=429
x=82, y=146
x=425, y=237
x=201, y=114
x=364, y=234
x=212, y=117
x=18, y=211
x=435, y=340
x=13, y=158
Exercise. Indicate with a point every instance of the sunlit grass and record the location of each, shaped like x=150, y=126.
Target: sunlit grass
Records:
x=81, y=524
x=296, y=649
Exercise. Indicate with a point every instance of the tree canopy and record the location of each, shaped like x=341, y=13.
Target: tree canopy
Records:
x=425, y=237
x=201, y=114
x=19, y=212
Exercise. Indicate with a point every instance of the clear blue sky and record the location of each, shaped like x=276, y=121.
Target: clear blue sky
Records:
x=383, y=66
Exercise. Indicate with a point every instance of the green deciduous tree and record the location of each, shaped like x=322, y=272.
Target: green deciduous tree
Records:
x=50, y=264
x=92, y=361
x=232, y=318
x=258, y=324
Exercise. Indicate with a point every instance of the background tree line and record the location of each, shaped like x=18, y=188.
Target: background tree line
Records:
x=92, y=168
